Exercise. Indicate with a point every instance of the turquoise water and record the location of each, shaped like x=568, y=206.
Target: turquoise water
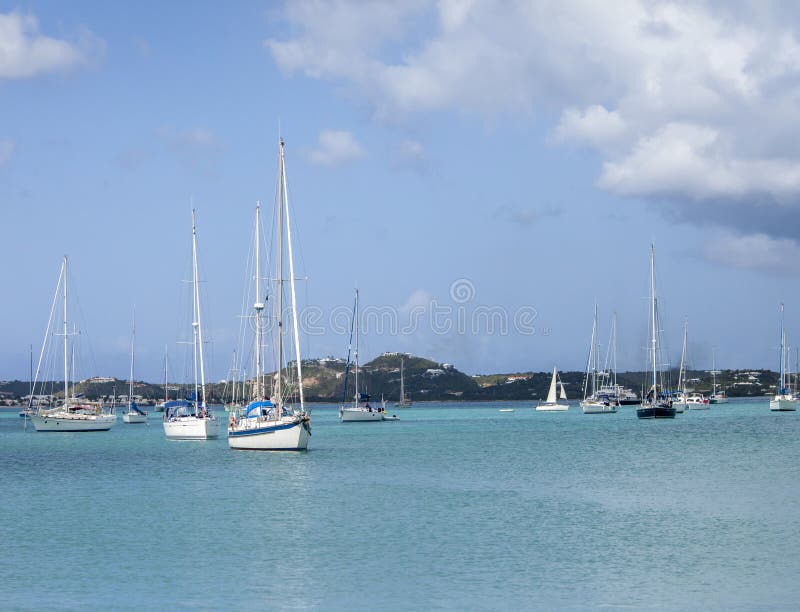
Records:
x=456, y=506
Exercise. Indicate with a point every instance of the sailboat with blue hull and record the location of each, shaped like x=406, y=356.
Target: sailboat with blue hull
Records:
x=273, y=423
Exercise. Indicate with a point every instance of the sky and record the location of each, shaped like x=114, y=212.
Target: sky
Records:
x=483, y=172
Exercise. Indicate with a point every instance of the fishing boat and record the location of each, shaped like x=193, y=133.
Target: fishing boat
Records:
x=405, y=401
x=679, y=400
x=551, y=404
x=784, y=400
x=75, y=413
x=134, y=414
x=273, y=422
x=360, y=410
x=193, y=419
x=717, y=393
x=656, y=404
x=598, y=398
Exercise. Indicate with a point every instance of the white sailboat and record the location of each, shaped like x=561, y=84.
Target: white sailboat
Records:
x=405, y=401
x=551, y=404
x=784, y=400
x=602, y=399
x=717, y=394
x=272, y=423
x=655, y=403
x=193, y=419
x=75, y=413
x=134, y=414
x=160, y=406
x=680, y=398
x=360, y=411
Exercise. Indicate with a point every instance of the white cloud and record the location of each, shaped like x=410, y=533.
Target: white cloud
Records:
x=755, y=252
x=25, y=52
x=418, y=302
x=688, y=100
x=6, y=150
x=336, y=147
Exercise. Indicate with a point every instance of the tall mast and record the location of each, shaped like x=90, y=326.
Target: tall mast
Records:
x=66, y=329
x=298, y=360
x=133, y=348
x=681, y=370
x=782, y=389
x=653, y=317
x=356, y=356
x=596, y=352
x=279, y=404
x=402, y=383
x=259, y=305
x=198, y=328
x=614, y=347
x=166, y=373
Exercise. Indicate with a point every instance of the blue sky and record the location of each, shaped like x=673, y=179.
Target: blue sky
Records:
x=533, y=153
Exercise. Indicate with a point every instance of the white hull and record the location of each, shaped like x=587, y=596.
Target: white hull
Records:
x=783, y=404
x=597, y=408
x=73, y=422
x=552, y=407
x=134, y=417
x=698, y=406
x=679, y=406
x=718, y=400
x=261, y=434
x=192, y=428
x=352, y=415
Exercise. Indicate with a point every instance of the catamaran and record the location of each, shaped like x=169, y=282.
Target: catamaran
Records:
x=192, y=419
x=75, y=413
x=134, y=414
x=656, y=404
x=603, y=398
x=551, y=404
x=360, y=410
x=784, y=400
x=272, y=422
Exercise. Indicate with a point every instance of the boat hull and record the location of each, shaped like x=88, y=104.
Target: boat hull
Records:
x=255, y=434
x=192, y=428
x=718, y=400
x=655, y=412
x=353, y=415
x=598, y=408
x=783, y=405
x=134, y=417
x=679, y=407
x=73, y=422
x=552, y=407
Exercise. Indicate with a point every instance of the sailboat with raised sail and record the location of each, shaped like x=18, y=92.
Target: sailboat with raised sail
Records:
x=360, y=410
x=551, y=403
x=784, y=400
x=655, y=404
x=192, y=418
x=273, y=422
x=75, y=413
x=134, y=414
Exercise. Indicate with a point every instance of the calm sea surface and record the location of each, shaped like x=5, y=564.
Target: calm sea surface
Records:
x=456, y=506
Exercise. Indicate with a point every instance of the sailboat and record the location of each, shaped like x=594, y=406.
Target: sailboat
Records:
x=784, y=400
x=655, y=404
x=717, y=395
x=272, y=423
x=134, y=413
x=192, y=419
x=405, y=401
x=551, y=404
x=360, y=410
x=601, y=400
x=160, y=406
x=680, y=398
x=75, y=413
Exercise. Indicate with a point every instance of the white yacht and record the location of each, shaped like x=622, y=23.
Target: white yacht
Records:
x=784, y=400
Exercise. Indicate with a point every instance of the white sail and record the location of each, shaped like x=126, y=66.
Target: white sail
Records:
x=551, y=394
x=563, y=393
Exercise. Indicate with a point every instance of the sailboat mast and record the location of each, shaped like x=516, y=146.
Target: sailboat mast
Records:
x=297, y=358
x=681, y=370
x=783, y=356
x=653, y=318
x=166, y=373
x=402, y=383
x=596, y=352
x=279, y=404
x=614, y=347
x=133, y=348
x=66, y=332
x=198, y=328
x=258, y=306
x=358, y=323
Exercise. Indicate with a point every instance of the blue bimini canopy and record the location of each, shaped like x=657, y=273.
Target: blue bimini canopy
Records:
x=258, y=408
x=136, y=408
